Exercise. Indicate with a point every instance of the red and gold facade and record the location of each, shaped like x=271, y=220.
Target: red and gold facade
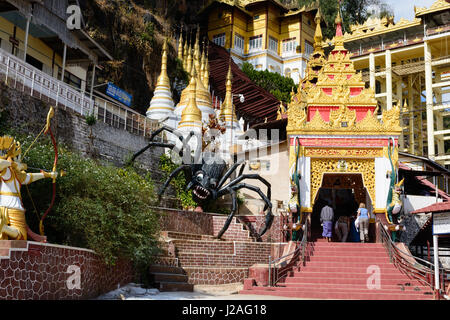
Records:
x=334, y=126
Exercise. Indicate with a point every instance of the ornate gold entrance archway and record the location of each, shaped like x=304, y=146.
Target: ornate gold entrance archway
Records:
x=324, y=173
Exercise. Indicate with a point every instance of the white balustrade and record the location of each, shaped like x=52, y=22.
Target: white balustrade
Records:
x=40, y=84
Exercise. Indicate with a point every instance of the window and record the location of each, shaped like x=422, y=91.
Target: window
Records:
x=289, y=46
x=273, y=44
x=69, y=78
x=34, y=62
x=256, y=17
x=219, y=39
x=239, y=42
x=309, y=49
x=255, y=43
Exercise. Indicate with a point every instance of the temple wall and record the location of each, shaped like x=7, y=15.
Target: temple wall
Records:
x=382, y=166
x=38, y=271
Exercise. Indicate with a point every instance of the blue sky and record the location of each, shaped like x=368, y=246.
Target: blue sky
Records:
x=405, y=8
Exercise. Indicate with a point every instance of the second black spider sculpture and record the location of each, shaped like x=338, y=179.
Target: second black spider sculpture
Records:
x=207, y=178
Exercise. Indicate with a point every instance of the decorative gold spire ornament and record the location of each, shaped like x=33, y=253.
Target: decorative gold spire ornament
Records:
x=185, y=53
x=227, y=113
x=206, y=72
x=191, y=116
x=197, y=52
x=180, y=46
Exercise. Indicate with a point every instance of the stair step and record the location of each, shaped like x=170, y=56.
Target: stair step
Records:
x=169, y=277
x=345, y=270
x=338, y=258
x=339, y=295
x=347, y=253
x=340, y=264
x=410, y=287
x=157, y=268
x=354, y=289
x=175, y=286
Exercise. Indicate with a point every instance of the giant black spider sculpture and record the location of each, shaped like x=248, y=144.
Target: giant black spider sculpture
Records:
x=207, y=178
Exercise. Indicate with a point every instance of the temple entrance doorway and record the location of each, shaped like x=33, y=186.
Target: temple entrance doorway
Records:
x=344, y=192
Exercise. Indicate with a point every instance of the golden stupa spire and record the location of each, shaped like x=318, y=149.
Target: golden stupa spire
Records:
x=197, y=52
x=206, y=72
x=318, y=34
x=180, y=46
x=185, y=52
x=202, y=64
x=227, y=111
x=163, y=79
x=189, y=61
x=339, y=38
x=191, y=113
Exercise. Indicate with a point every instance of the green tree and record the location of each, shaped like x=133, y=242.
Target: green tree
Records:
x=353, y=11
x=273, y=82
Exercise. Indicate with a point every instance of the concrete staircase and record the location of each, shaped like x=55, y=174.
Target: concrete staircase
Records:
x=356, y=271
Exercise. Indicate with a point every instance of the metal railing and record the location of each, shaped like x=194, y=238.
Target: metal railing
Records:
x=24, y=77
x=278, y=268
x=422, y=271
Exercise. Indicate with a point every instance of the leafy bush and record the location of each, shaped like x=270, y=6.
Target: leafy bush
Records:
x=273, y=82
x=100, y=207
x=178, y=182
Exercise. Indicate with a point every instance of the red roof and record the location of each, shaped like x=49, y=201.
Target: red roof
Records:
x=259, y=104
x=435, y=207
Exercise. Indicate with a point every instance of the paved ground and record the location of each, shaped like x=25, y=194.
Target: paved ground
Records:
x=201, y=292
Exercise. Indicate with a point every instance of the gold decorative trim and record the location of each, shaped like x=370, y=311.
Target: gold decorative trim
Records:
x=344, y=152
x=365, y=167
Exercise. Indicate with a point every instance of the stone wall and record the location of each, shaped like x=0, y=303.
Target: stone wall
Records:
x=242, y=228
x=38, y=271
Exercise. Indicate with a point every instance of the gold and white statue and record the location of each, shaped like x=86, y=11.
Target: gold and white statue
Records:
x=13, y=175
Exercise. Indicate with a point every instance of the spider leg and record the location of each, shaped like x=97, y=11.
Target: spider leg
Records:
x=228, y=173
x=234, y=207
x=251, y=176
x=171, y=176
x=269, y=216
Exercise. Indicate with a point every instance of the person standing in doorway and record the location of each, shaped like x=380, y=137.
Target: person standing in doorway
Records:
x=326, y=218
x=363, y=215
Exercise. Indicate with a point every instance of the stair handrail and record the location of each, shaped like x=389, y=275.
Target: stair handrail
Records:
x=423, y=273
x=278, y=273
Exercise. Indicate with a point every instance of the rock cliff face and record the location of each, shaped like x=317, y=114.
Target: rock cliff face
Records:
x=133, y=32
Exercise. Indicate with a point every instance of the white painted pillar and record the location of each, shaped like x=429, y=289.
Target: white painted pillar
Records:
x=92, y=89
x=388, y=80
x=436, y=261
x=411, y=116
x=429, y=100
x=372, y=70
x=401, y=140
x=27, y=31
x=439, y=118
x=64, y=63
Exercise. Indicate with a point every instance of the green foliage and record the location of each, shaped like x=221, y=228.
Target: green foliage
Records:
x=353, y=11
x=273, y=82
x=91, y=119
x=179, y=182
x=148, y=35
x=100, y=207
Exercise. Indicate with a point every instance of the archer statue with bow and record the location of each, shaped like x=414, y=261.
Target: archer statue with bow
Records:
x=12, y=176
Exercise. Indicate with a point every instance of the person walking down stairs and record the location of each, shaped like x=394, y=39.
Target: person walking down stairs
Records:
x=363, y=215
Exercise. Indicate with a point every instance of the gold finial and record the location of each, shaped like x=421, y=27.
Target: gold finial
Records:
x=202, y=63
x=189, y=61
x=180, y=46
x=163, y=79
x=185, y=53
x=206, y=72
x=197, y=52
x=318, y=34
x=191, y=113
x=227, y=111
